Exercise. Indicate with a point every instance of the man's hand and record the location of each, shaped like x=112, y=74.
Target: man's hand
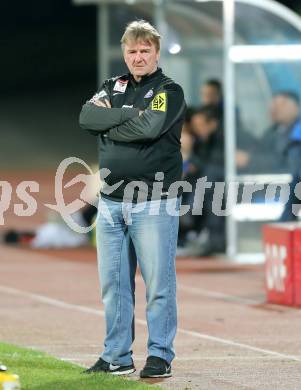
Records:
x=242, y=158
x=102, y=103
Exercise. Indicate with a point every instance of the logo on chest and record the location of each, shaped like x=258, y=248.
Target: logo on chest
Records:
x=120, y=86
x=149, y=94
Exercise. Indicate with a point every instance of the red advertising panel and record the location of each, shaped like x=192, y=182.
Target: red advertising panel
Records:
x=279, y=269
x=297, y=266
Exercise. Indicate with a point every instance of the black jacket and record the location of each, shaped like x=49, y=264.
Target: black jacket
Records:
x=133, y=147
x=208, y=156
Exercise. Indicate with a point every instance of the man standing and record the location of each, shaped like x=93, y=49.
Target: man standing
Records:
x=138, y=119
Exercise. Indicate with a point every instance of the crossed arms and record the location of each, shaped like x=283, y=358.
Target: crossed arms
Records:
x=131, y=124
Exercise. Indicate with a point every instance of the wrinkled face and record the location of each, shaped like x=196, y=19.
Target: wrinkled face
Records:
x=141, y=58
x=210, y=95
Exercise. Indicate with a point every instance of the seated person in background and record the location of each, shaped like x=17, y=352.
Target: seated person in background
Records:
x=287, y=142
x=187, y=144
x=208, y=154
x=211, y=93
x=275, y=143
x=279, y=150
x=207, y=159
x=266, y=154
x=187, y=224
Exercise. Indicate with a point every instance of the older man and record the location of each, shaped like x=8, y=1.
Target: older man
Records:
x=285, y=113
x=138, y=119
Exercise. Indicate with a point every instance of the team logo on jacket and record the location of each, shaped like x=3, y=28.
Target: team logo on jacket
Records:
x=149, y=94
x=159, y=102
x=98, y=95
x=120, y=86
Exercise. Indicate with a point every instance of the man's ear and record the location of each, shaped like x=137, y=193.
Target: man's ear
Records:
x=158, y=56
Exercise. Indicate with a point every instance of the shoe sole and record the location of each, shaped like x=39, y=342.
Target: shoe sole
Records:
x=167, y=375
x=125, y=372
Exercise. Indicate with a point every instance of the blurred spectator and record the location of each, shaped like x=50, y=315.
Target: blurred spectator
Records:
x=286, y=115
x=211, y=93
x=206, y=159
x=55, y=233
x=267, y=155
x=187, y=144
x=279, y=150
x=190, y=174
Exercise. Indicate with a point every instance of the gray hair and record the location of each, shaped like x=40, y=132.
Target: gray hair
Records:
x=140, y=30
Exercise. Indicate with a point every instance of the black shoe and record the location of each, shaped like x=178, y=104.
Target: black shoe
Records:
x=156, y=367
x=103, y=366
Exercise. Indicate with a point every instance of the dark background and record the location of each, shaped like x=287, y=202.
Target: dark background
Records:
x=51, y=43
x=48, y=69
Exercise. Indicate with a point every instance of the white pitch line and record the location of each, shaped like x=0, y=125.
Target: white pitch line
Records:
x=213, y=294
x=84, y=309
x=218, y=295
x=240, y=345
x=183, y=359
x=82, y=357
x=51, y=301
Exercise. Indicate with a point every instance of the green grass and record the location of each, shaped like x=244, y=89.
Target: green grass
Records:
x=39, y=371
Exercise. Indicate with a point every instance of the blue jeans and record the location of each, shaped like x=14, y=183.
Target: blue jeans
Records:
x=145, y=233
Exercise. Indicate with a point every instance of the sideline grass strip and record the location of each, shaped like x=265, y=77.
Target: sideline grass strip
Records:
x=39, y=371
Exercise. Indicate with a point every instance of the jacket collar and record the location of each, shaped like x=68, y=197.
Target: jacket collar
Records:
x=147, y=78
